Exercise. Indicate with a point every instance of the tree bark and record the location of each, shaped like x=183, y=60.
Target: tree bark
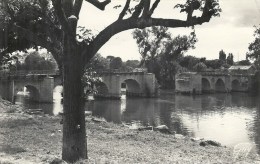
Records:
x=74, y=133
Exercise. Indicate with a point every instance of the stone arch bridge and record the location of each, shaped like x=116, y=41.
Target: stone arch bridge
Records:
x=138, y=84
x=40, y=84
x=208, y=82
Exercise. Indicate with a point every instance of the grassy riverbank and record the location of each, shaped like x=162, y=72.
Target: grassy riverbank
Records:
x=37, y=139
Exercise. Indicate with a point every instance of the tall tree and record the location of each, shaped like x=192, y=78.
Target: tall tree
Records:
x=222, y=55
x=36, y=62
x=243, y=62
x=98, y=63
x=54, y=26
x=161, y=52
x=254, y=48
x=200, y=67
x=189, y=62
x=131, y=64
x=116, y=63
x=230, y=59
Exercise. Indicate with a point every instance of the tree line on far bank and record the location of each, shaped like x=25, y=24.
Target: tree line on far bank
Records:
x=111, y=63
x=30, y=61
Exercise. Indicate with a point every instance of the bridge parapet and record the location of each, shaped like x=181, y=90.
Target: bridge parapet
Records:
x=215, y=73
x=7, y=73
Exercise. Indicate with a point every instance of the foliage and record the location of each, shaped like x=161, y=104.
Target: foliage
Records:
x=89, y=79
x=36, y=62
x=243, y=62
x=230, y=59
x=131, y=64
x=254, y=48
x=36, y=16
x=222, y=55
x=190, y=6
x=214, y=64
x=116, y=63
x=160, y=51
x=199, y=67
x=97, y=63
x=189, y=62
x=110, y=63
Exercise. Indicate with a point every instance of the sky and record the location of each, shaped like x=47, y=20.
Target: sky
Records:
x=232, y=31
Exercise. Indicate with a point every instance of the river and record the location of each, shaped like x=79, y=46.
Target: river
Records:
x=227, y=118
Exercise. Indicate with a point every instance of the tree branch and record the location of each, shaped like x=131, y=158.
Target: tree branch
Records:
x=155, y=4
x=62, y=17
x=99, y=5
x=207, y=7
x=67, y=6
x=33, y=37
x=146, y=8
x=138, y=9
x=77, y=8
x=131, y=23
x=122, y=14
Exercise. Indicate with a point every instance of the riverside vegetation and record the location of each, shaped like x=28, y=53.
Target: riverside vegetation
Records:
x=26, y=138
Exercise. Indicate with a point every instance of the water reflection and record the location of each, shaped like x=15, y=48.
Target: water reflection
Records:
x=227, y=118
x=23, y=98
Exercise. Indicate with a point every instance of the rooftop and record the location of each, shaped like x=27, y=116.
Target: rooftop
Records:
x=241, y=67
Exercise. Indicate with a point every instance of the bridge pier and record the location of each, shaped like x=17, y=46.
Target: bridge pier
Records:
x=46, y=90
x=7, y=90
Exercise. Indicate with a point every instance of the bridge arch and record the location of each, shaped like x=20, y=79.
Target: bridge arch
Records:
x=132, y=87
x=235, y=85
x=34, y=93
x=220, y=86
x=206, y=87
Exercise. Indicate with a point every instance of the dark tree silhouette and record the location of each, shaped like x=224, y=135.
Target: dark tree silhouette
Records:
x=254, y=48
x=222, y=55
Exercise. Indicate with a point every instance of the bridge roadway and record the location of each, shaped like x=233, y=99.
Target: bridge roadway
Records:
x=40, y=84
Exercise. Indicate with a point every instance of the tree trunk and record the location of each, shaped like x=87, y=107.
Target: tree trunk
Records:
x=74, y=133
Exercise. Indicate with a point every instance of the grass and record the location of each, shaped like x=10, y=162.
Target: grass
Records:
x=38, y=139
x=8, y=149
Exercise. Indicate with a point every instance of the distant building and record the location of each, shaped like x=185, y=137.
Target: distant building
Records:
x=242, y=69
